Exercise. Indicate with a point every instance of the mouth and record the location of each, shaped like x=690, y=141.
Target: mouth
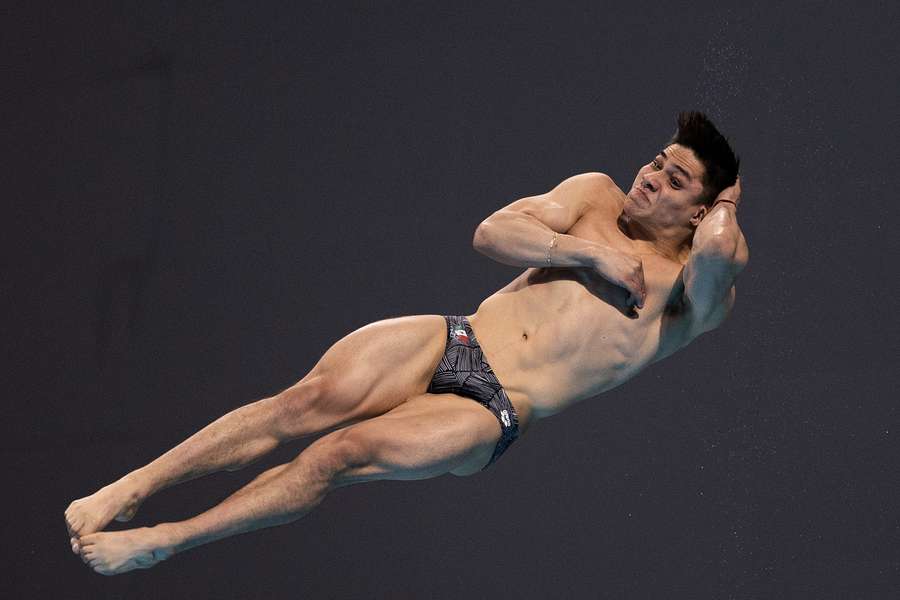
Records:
x=638, y=193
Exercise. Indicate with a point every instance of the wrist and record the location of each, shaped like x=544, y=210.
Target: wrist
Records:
x=566, y=250
x=554, y=242
x=731, y=203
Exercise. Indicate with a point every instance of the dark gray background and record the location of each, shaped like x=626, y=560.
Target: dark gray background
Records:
x=200, y=200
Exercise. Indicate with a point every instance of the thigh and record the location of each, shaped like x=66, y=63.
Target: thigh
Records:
x=377, y=367
x=426, y=436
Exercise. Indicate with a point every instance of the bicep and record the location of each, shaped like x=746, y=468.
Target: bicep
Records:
x=560, y=208
x=709, y=290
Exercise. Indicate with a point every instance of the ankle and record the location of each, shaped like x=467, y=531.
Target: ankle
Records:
x=138, y=484
x=169, y=539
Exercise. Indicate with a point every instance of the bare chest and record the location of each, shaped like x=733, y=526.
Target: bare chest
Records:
x=563, y=334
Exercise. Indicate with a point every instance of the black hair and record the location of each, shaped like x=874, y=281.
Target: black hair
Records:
x=696, y=131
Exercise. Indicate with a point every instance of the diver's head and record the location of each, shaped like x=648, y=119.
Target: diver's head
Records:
x=674, y=191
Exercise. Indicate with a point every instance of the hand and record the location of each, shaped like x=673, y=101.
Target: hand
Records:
x=625, y=270
x=732, y=193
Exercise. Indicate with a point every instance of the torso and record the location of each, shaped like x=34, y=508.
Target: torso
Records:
x=557, y=336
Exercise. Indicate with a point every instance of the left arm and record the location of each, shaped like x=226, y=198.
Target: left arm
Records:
x=719, y=253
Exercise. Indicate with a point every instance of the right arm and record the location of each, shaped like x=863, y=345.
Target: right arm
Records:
x=520, y=234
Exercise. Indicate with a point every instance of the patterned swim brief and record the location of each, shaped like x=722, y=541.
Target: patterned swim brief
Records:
x=463, y=370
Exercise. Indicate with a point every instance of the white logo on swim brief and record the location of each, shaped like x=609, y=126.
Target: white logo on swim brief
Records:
x=504, y=416
x=460, y=334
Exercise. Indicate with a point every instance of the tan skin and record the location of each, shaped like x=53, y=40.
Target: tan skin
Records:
x=554, y=336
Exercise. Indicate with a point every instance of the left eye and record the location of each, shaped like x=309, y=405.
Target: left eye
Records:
x=656, y=165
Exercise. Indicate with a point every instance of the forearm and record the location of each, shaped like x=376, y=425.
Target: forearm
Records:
x=520, y=240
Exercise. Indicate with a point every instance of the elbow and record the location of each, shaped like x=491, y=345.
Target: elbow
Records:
x=480, y=239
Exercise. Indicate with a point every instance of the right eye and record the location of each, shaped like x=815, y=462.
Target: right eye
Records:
x=655, y=164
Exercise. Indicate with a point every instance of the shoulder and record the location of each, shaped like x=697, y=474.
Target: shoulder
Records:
x=599, y=188
x=591, y=180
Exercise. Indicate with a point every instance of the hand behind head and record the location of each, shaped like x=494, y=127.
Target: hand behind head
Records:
x=732, y=193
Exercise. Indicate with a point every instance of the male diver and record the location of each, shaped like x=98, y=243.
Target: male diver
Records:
x=613, y=282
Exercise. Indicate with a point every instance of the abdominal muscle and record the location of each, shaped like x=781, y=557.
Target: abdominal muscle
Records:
x=556, y=336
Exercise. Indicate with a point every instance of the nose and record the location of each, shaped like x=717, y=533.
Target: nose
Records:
x=647, y=184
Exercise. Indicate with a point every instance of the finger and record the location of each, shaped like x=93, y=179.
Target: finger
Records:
x=731, y=188
x=641, y=288
x=633, y=294
x=637, y=299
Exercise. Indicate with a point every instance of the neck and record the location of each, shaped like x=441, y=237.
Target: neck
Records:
x=674, y=246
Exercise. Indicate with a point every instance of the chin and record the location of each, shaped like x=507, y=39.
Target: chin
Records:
x=630, y=206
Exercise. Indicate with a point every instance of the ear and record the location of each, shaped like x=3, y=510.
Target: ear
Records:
x=698, y=216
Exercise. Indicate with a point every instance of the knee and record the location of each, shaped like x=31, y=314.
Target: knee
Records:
x=297, y=406
x=338, y=455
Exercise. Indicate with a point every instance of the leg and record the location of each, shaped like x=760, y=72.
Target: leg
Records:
x=362, y=375
x=425, y=437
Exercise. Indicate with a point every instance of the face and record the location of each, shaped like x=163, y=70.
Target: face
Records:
x=667, y=190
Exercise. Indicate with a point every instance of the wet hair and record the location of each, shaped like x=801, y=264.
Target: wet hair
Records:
x=696, y=131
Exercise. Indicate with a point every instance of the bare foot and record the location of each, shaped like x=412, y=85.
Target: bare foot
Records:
x=114, y=552
x=119, y=500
